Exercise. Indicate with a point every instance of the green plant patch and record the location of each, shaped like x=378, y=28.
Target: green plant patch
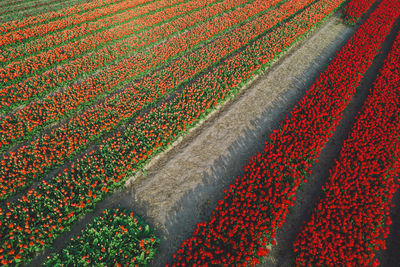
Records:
x=117, y=238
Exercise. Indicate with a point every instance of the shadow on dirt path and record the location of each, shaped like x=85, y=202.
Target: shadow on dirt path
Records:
x=183, y=187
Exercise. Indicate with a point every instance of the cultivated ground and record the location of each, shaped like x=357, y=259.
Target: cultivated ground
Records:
x=181, y=187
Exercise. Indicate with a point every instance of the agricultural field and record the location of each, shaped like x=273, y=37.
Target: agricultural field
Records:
x=197, y=133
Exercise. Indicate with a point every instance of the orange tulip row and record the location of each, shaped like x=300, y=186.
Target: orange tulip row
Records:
x=38, y=85
x=32, y=118
x=17, y=31
x=31, y=48
x=20, y=70
x=25, y=6
x=37, y=7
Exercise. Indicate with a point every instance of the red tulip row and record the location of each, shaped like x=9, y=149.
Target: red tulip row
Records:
x=351, y=220
x=55, y=205
x=25, y=34
x=10, y=26
x=48, y=42
x=41, y=156
x=245, y=222
x=34, y=117
x=20, y=70
x=355, y=9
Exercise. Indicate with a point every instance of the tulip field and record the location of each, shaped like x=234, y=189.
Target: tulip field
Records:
x=370, y=154
x=91, y=91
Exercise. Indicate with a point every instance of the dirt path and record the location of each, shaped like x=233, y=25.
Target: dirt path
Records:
x=183, y=186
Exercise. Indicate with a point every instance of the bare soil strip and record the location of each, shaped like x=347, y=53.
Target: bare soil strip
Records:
x=182, y=186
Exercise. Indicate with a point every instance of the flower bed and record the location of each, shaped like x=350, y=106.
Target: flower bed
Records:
x=96, y=10
x=34, y=117
x=8, y=27
x=18, y=12
x=114, y=17
x=351, y=220
x=355, y=9
x=20, y=70
x=17, y=6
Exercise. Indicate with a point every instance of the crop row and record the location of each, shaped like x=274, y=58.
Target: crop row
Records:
x=61, y=200
x=9, y=5
x=32, y=11
x=355, y=9
x=80, y=7
x=9, y=2
x=351, y=220
x=20, y=70
x=35, y=116
x=37, y=85
x=40, y=113
x=255, y=206
x=26, y=5
x=116, y=238
x=52, y=149
x=55, y=39
x=10, y=31
x=10, y=9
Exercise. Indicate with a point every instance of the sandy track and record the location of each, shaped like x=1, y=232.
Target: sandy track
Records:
x=182, y=186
